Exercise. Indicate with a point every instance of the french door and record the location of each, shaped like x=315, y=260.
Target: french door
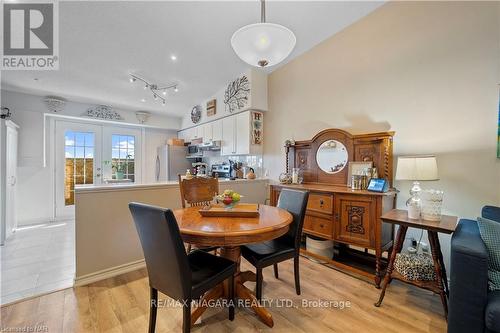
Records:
x=89, y=154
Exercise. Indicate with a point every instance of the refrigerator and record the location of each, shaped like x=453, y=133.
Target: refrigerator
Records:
x=171, y=161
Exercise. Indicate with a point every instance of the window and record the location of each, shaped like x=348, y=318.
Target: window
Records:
x=79, y=162
x=123, y=157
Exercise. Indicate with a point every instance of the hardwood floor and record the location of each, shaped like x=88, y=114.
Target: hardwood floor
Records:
x=120, y=304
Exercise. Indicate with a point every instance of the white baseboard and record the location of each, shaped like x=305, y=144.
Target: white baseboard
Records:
x=109, y=272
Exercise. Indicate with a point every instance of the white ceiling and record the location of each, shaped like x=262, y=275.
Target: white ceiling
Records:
x=101, y=42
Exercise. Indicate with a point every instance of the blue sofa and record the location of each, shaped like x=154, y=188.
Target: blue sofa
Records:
x=472, y=308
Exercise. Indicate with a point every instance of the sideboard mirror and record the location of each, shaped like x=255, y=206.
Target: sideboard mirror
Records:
x=332, y=156
x=325, y=158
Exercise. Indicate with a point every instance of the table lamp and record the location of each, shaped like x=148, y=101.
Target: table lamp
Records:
x=416, y=168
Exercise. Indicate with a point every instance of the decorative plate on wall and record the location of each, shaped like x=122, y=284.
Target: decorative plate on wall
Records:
x=196, y=113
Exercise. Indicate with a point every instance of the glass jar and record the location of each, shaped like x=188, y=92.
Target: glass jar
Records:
x=432, y=202
x=295, y=175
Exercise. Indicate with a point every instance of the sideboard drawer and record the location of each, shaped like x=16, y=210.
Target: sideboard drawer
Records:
x=318, y=226
x=320, y=202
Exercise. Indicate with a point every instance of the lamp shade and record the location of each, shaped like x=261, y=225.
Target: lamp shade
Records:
x=263, y=44
x=417, y=168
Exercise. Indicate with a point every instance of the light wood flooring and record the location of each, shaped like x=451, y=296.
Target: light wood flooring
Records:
x=120, y=304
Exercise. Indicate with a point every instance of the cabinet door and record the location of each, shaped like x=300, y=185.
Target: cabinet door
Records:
x=11, y=181
x=242, y=134
x=207, y=132
x=228, y=144
x=354, y=219
x=182, y=135
x=217, y=130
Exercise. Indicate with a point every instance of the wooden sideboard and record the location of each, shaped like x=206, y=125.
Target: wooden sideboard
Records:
x=351, y=218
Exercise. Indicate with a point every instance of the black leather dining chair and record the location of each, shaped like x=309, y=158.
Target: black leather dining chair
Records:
x=183, y=277
x=283, y=248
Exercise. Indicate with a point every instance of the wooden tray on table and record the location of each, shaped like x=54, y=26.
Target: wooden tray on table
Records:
x=238, y=210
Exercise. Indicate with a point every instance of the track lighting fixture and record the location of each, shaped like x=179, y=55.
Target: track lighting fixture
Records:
x=154, y=88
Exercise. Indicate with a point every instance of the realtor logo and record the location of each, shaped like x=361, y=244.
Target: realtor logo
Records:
x=30, y=36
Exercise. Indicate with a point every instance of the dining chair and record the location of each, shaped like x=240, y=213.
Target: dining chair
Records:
x=198, y=191
x=282, y=248
x=181, y=276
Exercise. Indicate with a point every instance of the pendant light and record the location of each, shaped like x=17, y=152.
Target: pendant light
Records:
x=263, y=44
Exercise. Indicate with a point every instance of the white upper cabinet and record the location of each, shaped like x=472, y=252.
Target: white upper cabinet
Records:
x=237, y=135
x=228, y=136
x=207, y=132
x=242, y=134
x=217, y=130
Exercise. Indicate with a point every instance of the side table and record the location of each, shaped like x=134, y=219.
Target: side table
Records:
x=447, y=225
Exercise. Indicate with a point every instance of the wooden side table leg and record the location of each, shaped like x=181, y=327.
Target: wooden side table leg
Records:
x=378, y=267
x=443, y=268
x=400, y=238
x=435, y=250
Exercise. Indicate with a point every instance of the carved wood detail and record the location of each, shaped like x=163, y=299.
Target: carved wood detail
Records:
x=376, y=147
x=355, y=219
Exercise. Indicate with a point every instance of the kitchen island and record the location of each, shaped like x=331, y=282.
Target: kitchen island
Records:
x=106, y=239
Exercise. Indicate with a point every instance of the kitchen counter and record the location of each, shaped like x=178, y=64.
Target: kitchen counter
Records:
x=135, y=186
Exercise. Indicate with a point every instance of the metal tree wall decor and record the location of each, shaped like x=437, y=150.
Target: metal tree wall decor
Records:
x=103, y=112
x=236, y=94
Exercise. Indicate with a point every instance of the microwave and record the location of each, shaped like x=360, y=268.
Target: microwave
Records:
x=194, y=151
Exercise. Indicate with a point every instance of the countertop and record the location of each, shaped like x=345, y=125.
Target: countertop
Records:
x=136, y=186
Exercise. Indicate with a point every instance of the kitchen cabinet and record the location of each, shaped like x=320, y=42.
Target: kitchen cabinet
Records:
x=207, y=130
x=217, y=130
x=236, y=135
x=228, y=136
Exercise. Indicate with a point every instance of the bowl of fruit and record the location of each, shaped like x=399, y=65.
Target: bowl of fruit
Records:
x=229, y=198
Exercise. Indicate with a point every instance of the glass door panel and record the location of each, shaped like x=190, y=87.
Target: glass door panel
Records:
x=121, y=154
x=77, y=158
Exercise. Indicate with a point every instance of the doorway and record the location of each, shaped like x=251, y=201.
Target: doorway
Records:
x=93, y=155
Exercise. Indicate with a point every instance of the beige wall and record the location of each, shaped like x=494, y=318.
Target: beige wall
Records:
x=427, y=70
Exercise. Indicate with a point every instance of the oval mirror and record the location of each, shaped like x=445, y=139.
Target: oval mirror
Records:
x=332, y=156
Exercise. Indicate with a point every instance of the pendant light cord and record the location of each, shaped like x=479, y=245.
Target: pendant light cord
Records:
x=262, y=11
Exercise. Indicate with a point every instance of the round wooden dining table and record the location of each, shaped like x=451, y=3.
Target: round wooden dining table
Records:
x=229, y=233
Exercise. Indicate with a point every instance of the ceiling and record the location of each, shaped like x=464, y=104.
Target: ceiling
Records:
x=101, y=42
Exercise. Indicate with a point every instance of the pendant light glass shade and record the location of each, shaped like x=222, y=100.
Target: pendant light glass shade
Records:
x=263, y=44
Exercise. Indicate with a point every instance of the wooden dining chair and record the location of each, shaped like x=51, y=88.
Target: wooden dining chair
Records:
x=198, y=191
x=282, y=248
x=181, y=276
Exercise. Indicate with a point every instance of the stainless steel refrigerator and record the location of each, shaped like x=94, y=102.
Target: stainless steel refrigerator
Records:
x=171, y=161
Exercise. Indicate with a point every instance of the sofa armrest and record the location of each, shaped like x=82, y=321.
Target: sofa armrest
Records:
x=468, y=279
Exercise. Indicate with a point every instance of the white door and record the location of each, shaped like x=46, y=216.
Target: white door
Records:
x=11, y=180
x=207, y=132
x=121, y=154
x=78, y=161
x=228, y=144
x=243, y=134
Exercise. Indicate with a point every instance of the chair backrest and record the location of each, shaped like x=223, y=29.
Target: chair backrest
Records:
x=198, y=191
x=295, y=202
x=491, y=213
x=166, y=258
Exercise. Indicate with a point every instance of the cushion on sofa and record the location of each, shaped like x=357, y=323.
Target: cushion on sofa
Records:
x=490, y=233
x=492, y=313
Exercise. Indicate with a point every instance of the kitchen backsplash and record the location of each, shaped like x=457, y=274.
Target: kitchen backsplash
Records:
x=253, y=161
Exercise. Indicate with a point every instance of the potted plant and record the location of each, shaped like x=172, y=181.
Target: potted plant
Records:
x=120, y=169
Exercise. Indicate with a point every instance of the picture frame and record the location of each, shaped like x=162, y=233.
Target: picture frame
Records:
x=212, y=107
x=355, y=168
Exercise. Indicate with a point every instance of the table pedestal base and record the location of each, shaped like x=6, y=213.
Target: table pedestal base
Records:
x=241, y=292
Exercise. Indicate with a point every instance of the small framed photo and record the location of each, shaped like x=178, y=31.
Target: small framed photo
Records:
x=378, y=185
x=357, y=168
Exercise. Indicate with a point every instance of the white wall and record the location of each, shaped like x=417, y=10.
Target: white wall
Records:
x=35, y=182
x=257, y=99
x=427, y=70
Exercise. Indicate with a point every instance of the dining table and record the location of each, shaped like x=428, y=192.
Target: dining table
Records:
x=229, y=234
